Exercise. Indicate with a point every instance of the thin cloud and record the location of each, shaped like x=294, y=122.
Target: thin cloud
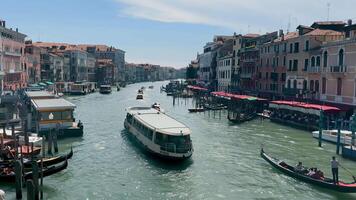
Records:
x=237, y=15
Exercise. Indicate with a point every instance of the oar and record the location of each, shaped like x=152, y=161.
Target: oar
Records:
x=348, y=172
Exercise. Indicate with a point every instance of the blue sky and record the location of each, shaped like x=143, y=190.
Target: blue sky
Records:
x=166, y=32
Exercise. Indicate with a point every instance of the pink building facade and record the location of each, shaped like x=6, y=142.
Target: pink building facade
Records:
x=12, y=60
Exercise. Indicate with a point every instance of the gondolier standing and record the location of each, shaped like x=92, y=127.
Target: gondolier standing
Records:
x=335, y=169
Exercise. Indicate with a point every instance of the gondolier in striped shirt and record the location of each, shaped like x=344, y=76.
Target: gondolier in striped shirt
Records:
x=335, y=169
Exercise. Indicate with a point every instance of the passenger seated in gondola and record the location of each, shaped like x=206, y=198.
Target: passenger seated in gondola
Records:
x=311, y=172
x=299, y=167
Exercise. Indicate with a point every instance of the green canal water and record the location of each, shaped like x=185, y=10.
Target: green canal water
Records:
x=225, y=165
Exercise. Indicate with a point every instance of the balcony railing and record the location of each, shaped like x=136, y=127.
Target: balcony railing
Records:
x=338, y=69
x=8, y=53
x=313, y=69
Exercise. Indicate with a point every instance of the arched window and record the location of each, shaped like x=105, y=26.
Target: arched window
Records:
x=325, y=59
x=311, y=86
x=305, y=82
x=317, y=85
x=295, y=84
x=313, y=61
x=318, y=61
x=341, y=57
x=288, y=84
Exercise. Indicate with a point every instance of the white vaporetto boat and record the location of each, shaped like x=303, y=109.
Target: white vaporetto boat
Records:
x=331, y=136
x=159, y=133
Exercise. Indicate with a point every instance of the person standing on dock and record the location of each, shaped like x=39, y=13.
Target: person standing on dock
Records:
x=335, y=169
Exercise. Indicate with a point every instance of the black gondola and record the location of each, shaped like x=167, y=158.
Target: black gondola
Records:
x=10, y=178
x=325, y=182
x=46, y=161
x=194, y=110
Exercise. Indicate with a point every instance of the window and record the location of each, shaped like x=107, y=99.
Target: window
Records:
x=317, y=85
x=283, y=77
x=277, y=61
x=311, y=85
x=284, y=61
x=306, y=63
x=305, y=84
x=307, y=45
x=296, y=47
x=288, y=84
x=295, y=65
x=267, y=62
x=325, y=59
x=318, y=61
x=290, y=65
x=285, y=47
x=339, y=86
x=266, y=75
x=341, y=57
x=313, y=61
x=295, y=84
x=291, y=48
x=323, y=85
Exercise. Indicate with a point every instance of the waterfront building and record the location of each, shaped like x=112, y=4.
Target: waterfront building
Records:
x=91, y=66
x=12, y=58
x=250, y=60
x=304, y=60
x=33, y=62
x=338, y=69
x=273, y=66
x=52, y=67
x=106, y=71
x=224, y=65
x=117, y=57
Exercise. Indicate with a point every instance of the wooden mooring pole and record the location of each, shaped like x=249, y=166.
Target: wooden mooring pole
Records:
x=338, y=136
x=18, y=179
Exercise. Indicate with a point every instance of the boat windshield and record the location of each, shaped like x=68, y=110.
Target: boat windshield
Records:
x=175, y=144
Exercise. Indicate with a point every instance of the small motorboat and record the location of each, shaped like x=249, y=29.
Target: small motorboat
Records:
x=150, y=87
x=139, y=97
x=156, y=106
x=242, y=117
x=323, y=182
x=105, y=89
x=140, y=91
x=194, y=110
x=331, y=136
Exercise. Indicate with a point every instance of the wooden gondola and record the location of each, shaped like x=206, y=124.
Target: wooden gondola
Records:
x=10, y=178
x=194, y=110
x=240, y=118
x=324, y=182
x=46, y=161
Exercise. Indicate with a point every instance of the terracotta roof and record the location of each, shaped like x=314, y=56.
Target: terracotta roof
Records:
x=317, y=32
x=100, y=47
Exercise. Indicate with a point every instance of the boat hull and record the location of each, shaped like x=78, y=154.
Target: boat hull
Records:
x=341, y=187
x=65, y=133
x=151, y=148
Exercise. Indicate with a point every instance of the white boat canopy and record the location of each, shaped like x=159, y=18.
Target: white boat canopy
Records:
x=52, y=104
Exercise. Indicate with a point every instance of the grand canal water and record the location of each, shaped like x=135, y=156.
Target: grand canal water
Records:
x=225, y=165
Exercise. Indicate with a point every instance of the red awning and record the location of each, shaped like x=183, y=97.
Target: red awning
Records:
x=308, y=106
x=236, y=96
x=196, y=88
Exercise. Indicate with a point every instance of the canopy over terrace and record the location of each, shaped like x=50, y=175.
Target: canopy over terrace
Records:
x=304, y=107
x=237, y=96
x=197, y=88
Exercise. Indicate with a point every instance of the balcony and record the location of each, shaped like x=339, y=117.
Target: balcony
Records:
x=8, y=53
x=338, y=69
x=246, y=75
x=313, y=70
